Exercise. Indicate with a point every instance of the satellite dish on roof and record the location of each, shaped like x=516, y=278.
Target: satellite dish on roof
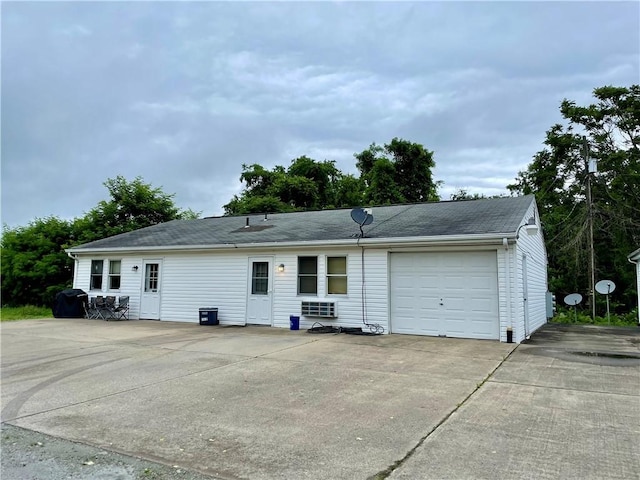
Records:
x=362, y=216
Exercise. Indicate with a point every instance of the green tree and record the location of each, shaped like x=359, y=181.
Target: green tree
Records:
x=306, y=185
x=323, y=174
x=463, y=194
x=398, y=172
x=260, y=194
x=349, y=191
x=34, y=264
x=132, y=205
x=558, y=177
x=383, y=188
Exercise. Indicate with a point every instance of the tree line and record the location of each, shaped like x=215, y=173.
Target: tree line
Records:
x=608, y=132
x=396, y=172
x=34, y=265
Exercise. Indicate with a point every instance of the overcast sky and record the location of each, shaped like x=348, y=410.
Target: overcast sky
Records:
x=182, y=94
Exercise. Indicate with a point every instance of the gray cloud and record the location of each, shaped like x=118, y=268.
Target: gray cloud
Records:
x=184, y=93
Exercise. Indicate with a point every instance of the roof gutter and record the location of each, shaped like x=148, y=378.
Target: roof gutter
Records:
x=477, y=239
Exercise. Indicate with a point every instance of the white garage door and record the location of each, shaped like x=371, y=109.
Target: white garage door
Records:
x=453, y=294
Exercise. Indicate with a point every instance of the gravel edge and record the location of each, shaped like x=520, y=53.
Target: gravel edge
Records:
x=29, y=455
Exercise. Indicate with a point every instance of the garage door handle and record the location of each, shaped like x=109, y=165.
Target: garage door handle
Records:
x=441, y=302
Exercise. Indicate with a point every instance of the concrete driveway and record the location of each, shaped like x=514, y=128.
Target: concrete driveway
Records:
x=263, y=403
x=565, y=405
x=254, y=402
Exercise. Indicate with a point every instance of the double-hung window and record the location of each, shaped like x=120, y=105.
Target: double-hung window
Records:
x=307, y=275
x=114, y=274
x=337, y=275
x=96, y=275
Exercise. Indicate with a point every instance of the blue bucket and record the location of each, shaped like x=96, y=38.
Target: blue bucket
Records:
x=294, y=322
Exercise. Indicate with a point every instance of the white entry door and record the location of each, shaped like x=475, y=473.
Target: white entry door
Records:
x=150, y=297
x=260, y=290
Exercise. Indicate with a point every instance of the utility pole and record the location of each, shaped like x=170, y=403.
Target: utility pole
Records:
x=592, y=256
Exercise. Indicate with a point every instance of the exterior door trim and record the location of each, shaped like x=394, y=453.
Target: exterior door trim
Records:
x=151, y=289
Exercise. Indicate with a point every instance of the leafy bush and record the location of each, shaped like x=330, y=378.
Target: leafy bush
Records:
x=567, y=315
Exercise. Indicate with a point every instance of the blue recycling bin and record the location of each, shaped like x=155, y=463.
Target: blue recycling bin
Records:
x=208, y=316
x=294, y=322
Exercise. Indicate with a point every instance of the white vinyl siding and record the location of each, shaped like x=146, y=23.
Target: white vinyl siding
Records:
x=191, y=281
x=531, y=246
x=348, y=307
x=506, y=290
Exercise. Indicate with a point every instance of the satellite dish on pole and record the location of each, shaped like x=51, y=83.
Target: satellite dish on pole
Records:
x=573, y=299
x=606, y=287
x=362, y=216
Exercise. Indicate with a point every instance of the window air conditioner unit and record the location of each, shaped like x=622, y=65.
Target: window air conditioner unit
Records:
x=319, y=309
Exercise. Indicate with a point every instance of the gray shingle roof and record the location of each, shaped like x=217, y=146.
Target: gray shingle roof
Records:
x=471, y=217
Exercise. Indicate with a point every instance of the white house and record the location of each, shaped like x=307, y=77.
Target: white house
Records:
x=635, y=258
x=469, y=269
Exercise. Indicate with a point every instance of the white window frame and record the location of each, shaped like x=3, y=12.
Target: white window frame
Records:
x=96, y=275
x=344, y=275
x=307, y=275
x=111, y=275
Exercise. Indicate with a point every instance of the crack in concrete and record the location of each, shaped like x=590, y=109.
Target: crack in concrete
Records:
x=569, y=389
x=394, y=466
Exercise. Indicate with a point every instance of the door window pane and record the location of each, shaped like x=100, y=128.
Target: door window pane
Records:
x=260, y=278
x=151, y=271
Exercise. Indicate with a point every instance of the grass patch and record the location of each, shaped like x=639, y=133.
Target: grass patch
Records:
x=10, y=314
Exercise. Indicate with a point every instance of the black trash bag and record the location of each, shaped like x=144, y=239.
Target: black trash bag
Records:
x=69, y=303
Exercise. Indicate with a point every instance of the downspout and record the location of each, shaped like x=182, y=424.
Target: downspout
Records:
x=75, y=267
x=507, y=267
